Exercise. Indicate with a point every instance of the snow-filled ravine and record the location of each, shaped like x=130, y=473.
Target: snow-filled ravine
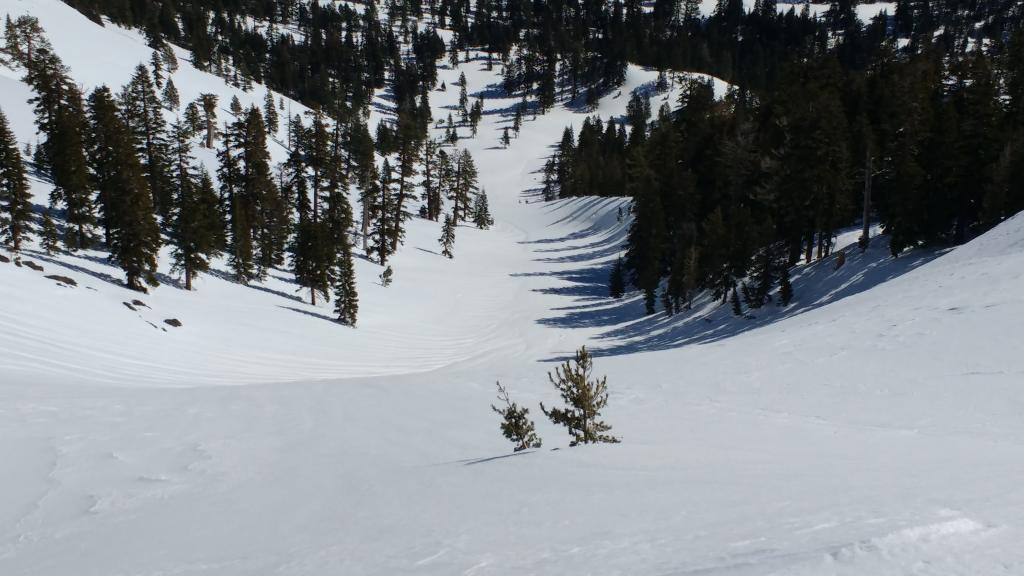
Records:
x=873, y=427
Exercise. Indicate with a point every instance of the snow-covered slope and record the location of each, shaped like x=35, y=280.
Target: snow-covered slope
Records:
x=874, y=427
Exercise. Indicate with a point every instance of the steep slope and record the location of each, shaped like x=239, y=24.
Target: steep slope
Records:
x=873, y=427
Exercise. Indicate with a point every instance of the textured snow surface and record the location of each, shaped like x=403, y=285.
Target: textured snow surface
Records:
x=874, y=427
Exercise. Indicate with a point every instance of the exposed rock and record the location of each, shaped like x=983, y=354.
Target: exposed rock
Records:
x=33, y=265
x=139, y=303
x=5, y=259
x=129, y=306
x=173, y=322
x=62, y=279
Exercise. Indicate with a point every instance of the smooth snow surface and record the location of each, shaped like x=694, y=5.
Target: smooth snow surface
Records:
x=873, y=427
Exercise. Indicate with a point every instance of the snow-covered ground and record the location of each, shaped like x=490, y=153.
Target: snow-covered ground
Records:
x=873, y=427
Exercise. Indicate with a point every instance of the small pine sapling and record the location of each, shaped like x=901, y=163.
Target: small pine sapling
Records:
x=584, y=398
x=482, y=212
x=516, y=424
x=49, y=236
x=386, y=277
x=447, y=240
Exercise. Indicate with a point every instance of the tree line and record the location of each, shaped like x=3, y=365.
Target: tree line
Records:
x=729, y=193
x=126, y=179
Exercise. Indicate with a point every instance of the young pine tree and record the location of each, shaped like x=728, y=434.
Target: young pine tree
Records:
x=15, y=199
x=584, y=398
x=170, y=98
x=481, y=212
x=516, y=424
x=346, y=296
x=49, y=235
x=447, y=240
x=270, y=114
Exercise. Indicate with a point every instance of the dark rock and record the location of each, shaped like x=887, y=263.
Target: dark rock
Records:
x=5, y=259
x=129, y=306
x=33, y=265
x=173, y=322
x=62, y=279
x=139, y=303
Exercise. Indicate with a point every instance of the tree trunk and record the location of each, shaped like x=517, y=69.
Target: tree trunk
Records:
x=188, y=278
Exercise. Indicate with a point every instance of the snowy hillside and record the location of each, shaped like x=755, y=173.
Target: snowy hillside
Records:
x=873, y=427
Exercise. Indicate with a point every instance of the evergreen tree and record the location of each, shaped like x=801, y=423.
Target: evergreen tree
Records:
x=61, y=155
x=584, y=399
x=464, y=186
x=516, y=424
x=234, y=203
x=432, y=180
x=196, y=229
x=382, y=227
x=170, y=98
x=346, y=297
x=134, y=234
x=270, y=114
x=447, y=240
x=481, y=212
x=143, y=114
x=49, y=235
x=386, y=276
x=194, y=119
x=15, y=197
x=265, y=212
x=617, y=279
x=209, y=106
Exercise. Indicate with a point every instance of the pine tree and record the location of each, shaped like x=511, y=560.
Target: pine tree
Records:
x=516, y=424
x=193, y=119
x=61, y=155
x=346, y=297
x=134, y=233
x=432, y=159
x=49, y=235
x=617, y=279
x=584, y=398
x=265, y=212
x=270, y=114
x=157, y=64
x=170, y=98
x=481, y=212
x=383, y=212
x=209, y=106
x=196, y=229
x=387, y=276
x=143, y=114
x=464, y=186
x=104, y=145
x=447, y=240
x=517, y=120
x=234, y=203
x=15, y=197
x=505, y=140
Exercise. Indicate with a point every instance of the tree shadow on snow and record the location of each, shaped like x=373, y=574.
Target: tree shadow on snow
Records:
x=626, y=329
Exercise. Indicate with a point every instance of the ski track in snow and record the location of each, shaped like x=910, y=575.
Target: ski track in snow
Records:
x=871, y=428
